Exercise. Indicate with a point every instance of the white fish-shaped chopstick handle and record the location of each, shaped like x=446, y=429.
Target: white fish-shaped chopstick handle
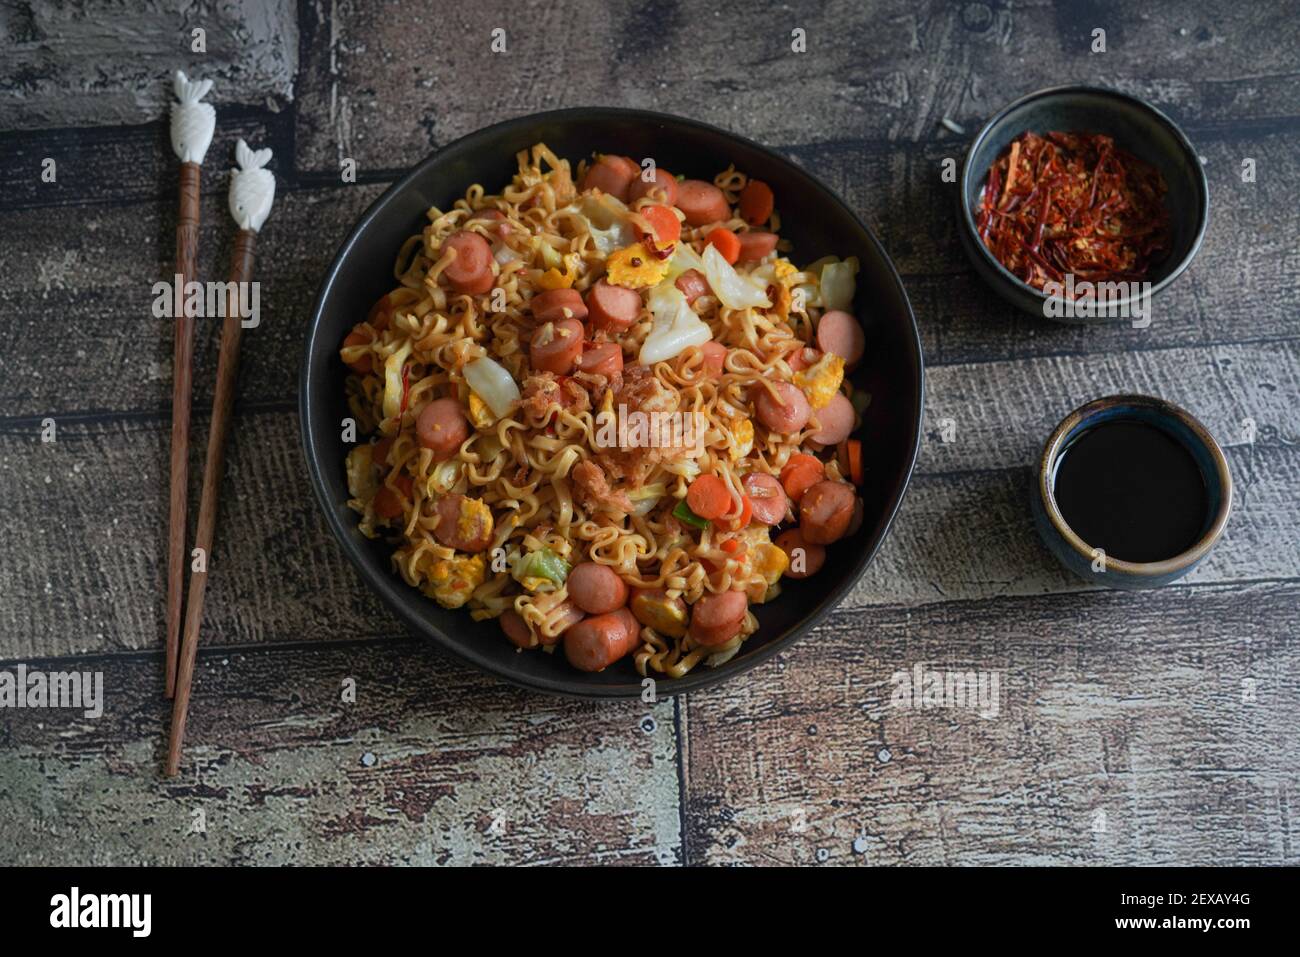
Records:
x=192, y=122
x=252, y=188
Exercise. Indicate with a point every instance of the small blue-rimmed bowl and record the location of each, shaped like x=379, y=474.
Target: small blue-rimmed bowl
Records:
x=1084, y=559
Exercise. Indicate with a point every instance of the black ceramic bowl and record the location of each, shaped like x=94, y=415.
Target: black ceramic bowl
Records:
x=1136, y=126
x=813, y=218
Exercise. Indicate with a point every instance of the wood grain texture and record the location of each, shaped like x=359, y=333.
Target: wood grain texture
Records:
x=965, y=531
x=890, y=70
x=77, y=258
x=431, y=764
x=1125, y=705
x=99, y=63
x=55, y=331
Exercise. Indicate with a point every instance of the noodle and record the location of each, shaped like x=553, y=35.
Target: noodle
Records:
x=538, y=480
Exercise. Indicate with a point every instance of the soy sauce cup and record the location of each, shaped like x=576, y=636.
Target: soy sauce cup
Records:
x=1089, y=560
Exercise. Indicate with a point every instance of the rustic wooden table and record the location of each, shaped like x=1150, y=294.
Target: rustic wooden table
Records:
x=1132, y=728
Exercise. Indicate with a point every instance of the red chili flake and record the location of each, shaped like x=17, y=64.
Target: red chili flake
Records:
x=1074, y=203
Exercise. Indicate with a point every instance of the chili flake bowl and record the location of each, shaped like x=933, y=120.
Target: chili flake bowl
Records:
x=1136, y=126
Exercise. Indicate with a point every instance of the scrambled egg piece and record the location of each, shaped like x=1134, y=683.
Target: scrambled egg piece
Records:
x=663, y=615
x=634, y=266
x=480, y=416
x=554, y=279
x=783, y=269
x=474, y=516
x=771, y=562
x=453, y=580
x=821, y=380
x=742, y=432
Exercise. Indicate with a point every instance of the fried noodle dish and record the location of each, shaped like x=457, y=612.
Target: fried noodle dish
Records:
x=602, y=407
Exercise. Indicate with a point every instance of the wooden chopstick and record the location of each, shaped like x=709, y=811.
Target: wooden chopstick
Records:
x=241, y=269
x=252, y=190
x=192, y=125
x=187, y=250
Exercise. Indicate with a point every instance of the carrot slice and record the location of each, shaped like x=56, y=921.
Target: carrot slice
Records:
x=756, y=202
x=746, y=514
x=666, y=225
x=801, y=473
x=708, y=497
x=731, y=546
x=854, y=451
x=726, y=242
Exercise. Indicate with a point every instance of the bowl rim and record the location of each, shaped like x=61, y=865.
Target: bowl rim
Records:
x=1046, y=491
x=1181, y=138
x=384, y=585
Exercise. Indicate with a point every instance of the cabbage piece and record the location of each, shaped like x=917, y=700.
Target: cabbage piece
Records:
x=494, y=385
x=684, y=258
x=732, y=289
x=445, y=476
x=393, y=381
x=606, y=218
x=838, y=284
x=676, y=326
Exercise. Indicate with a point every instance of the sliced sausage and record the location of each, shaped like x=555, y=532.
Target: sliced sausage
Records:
x=471, y=270
x=766, y=497
x=388, y=504
x=612, y=308
x=556, y=346
x=442, y=427
x=662, y=180
x=595, y=643
x=834, y=421
x=716, y=619
x=611, y=174
x=756, y=202
x=601, y=358
x=755, y=245
x=516, y=629
x=855, y=522
x=840, y=333
x=653, y=608
x=825, y=512
x=493, y=219
x=596, y=588
x=359, y=336
x=702, y=203
x=556, y=304
x=692, y=284
x=786, y=415
x=802, y=358
x=464, y=528
x=715, y=357
x=805, y=558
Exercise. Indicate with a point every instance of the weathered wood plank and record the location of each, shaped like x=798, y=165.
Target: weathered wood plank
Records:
x=970, y=535
x=1121, y=737
x=998, y=414
x=369, y=91
x=63, y=352
x=79, y=258
x=431, y=764
x=130, y=164
x=86, y=574
x=104, y=64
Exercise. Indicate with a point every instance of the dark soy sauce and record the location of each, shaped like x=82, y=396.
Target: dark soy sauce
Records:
x=1132, y=490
